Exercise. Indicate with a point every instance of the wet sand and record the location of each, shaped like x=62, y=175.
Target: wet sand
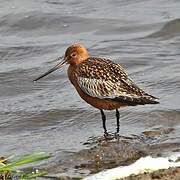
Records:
x=102, y=154
x=167, y=174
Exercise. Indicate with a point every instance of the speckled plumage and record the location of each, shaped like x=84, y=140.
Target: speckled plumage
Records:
x=104, y=79
x=101, y=82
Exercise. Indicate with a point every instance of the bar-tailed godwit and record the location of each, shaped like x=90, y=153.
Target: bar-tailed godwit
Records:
x=101, y=83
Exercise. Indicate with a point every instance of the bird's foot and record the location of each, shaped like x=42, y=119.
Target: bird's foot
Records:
x=116, y=135
x=107, y=136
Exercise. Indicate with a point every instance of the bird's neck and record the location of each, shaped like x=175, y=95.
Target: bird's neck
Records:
x=71, y=73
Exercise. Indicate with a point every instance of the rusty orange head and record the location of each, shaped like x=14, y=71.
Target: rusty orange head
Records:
x=75, y=54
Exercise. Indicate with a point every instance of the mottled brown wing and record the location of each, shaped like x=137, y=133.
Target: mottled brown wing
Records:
x=104, y=79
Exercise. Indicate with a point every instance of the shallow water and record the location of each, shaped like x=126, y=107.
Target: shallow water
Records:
x=49, y=115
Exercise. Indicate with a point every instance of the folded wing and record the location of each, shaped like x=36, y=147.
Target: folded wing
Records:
x=104, y=79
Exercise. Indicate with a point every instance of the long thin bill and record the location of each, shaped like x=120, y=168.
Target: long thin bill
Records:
x=59, y=65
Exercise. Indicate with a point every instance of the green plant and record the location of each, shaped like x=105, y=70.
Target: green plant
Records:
x=8, y=169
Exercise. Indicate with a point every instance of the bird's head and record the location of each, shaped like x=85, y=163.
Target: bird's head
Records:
x=75, y=54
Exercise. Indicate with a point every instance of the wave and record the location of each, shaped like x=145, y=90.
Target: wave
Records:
x=170, y=30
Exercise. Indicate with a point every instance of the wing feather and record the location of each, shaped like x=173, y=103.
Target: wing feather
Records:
x=104, y=79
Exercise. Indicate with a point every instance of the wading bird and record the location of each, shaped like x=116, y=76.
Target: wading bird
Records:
x=101, y=83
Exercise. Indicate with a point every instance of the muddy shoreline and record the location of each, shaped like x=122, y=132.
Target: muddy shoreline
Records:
x=164, y=174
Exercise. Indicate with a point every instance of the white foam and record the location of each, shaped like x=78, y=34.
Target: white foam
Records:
x=144, y=164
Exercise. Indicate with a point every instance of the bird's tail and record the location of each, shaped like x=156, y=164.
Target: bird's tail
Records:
x=141, y=100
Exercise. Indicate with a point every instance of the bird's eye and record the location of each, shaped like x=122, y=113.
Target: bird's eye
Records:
x=73, y=55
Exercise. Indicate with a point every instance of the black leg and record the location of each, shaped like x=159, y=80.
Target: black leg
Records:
x=117, y=117
x=104, y=121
